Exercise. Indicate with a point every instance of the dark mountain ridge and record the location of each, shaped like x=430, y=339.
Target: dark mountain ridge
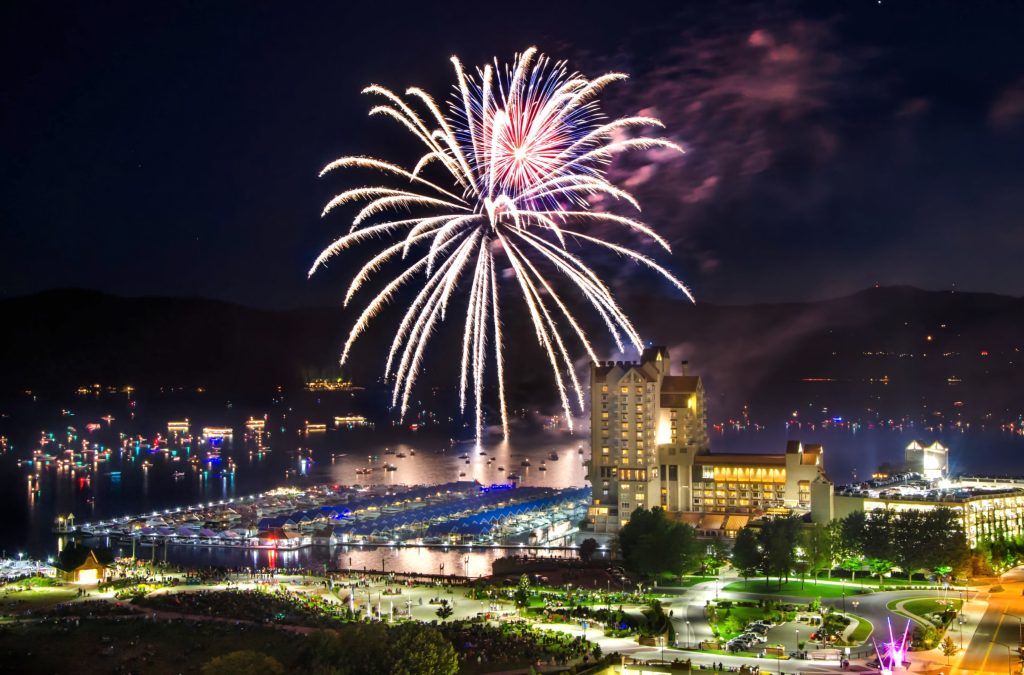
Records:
x=883, y=352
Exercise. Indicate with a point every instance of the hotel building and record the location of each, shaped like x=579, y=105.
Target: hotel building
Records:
x=989, y=508
x=650, y=447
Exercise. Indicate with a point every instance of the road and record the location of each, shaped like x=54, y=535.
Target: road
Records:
x=999, y=633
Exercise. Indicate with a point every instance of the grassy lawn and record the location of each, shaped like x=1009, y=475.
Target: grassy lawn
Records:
x=872, y=582
x=925, y=607
x=793, y=588
x=31, y=601
x=862, y=631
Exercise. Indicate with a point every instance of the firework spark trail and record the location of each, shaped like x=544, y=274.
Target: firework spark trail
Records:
x=510, y=168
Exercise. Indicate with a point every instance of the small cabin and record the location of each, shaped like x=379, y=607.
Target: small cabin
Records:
x=84, y=565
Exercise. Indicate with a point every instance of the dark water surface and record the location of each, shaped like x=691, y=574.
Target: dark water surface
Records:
x=139, y=479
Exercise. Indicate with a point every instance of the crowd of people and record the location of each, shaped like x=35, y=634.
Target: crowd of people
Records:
x=280, y=606
x=513, y=642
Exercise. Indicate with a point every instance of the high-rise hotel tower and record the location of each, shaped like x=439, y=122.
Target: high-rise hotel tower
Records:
x=649, y=447
x=641, y=414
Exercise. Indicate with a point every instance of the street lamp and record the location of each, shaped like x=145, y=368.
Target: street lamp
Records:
x=1009, y=658
x=689, y=635
x=798, y=641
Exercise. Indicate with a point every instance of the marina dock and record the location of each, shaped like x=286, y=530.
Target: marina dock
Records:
x=457, y=514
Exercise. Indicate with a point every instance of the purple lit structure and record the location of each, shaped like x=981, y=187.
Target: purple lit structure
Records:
x=892, y=654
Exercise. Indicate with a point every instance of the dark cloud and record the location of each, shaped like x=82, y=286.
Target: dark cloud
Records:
x=1008, y=108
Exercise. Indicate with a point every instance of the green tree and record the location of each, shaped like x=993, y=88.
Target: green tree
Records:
x=946, y=543
x=853, y=565
x=747, y=557
x=879, y=568
x=818, y=548
x=243, y=662
x=588, y=547
x=778, y=541
x=656, y=622
x=444, y=610
x=852, y=534
x=880, y=534
x=949, y=646
x=521, y=596
x=652, y=544
x=417, y=650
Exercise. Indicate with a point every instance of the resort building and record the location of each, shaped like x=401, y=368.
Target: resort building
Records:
x=931, y=461
x=650, y=447
x=989, y=508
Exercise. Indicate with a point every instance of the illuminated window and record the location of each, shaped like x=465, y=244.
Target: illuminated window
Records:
x=604, y=388
x=604, y=415
x=623, y=390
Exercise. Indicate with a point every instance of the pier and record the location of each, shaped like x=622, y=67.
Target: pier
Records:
x=461, y=514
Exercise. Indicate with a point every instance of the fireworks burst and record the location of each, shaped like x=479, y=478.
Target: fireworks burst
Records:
x=521, y=153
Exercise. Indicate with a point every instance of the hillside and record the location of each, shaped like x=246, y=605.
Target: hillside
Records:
x=883, y=352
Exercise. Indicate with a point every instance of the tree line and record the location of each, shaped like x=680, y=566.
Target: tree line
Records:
x=875, y=542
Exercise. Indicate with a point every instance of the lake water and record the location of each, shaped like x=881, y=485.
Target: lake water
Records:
x=141, y=480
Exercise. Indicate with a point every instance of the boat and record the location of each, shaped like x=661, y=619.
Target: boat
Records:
x=390, y=467
x=412, y=452
x=467, y=461
x=363, y=471
x=525, y=463
x=553, y=456
x=462, y=474
x=501, y=468
x=514, y=476
x=463, y=456
x=400, y=455
x=542, y=468
x=179, y=474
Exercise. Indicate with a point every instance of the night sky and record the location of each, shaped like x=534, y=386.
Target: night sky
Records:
x=172, y=148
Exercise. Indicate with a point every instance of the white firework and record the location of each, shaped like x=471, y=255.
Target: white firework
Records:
x=517, y=160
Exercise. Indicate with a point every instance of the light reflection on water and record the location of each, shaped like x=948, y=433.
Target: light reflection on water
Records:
x=419, y=560
x=299, y=459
